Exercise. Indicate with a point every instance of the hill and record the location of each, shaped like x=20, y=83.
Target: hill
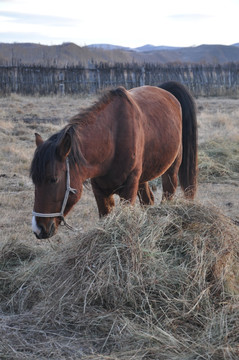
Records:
x=69, y=54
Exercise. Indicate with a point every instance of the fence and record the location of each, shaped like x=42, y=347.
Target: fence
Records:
x=202, y=80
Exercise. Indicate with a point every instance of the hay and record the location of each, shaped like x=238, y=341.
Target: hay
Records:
x=219, y=160
x=155, y=283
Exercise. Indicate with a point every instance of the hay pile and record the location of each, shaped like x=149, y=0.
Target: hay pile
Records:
x=155, y=283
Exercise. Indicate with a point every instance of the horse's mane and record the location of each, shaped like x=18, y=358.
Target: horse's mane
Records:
x=87, y=115
x=47, y=152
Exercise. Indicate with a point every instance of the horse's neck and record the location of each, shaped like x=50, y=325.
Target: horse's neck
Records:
x=97, y=146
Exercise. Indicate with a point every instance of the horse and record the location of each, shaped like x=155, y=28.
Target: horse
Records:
x=120, y=143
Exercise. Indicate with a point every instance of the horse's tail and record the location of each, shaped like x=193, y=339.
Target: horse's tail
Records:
x=188, y=168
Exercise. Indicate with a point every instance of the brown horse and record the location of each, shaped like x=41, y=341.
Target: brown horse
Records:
x=126, y=139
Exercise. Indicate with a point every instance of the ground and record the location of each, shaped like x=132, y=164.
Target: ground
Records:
x=21, y=117
x=135, y=284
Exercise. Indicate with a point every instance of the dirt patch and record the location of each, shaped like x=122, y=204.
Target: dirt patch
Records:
x=223, y=196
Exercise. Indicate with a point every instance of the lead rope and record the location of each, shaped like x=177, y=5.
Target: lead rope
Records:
x=61, y=213
x=63, y=221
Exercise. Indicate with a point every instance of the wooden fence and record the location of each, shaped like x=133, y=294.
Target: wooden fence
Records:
x=202, y=80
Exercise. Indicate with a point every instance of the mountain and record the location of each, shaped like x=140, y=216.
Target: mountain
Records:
x=69, y=54
x=148, y=48
x=211, y=54
x=108, y=47
x=144, y=48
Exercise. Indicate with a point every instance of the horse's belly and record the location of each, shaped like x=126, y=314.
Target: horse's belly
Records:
x=150, y=174
x=156, y=164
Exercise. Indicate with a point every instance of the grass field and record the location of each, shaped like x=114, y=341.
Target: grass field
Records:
x=159, y=284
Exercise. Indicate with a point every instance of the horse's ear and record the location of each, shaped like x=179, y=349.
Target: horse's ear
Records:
x=64, y=147
x=38, y=139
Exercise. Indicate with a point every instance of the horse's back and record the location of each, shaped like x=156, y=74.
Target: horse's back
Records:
x=150, y=97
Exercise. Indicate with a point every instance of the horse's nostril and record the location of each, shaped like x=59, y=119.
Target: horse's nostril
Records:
x=37, y=235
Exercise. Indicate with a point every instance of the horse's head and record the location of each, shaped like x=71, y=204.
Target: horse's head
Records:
x=57, y=186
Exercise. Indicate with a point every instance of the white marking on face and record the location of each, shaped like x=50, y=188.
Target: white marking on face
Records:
x=35, y=228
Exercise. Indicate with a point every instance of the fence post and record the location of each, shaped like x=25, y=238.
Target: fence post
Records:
x=92, y=76
x=142, y=77
x=61, y=79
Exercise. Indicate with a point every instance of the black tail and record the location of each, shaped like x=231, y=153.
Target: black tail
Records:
x=188, y=169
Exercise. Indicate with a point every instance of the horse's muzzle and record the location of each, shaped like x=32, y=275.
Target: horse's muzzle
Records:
x=44, y=233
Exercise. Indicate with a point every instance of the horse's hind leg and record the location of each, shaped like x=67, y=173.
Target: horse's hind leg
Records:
x=145, y=194
x=170, y=180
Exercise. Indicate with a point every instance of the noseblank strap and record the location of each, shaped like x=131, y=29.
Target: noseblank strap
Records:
x=68, y=190
x=44, y=215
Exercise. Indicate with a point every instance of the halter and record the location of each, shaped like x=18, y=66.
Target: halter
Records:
x=68, y=190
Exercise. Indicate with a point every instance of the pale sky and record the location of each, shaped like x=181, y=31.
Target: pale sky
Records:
x=120, y=22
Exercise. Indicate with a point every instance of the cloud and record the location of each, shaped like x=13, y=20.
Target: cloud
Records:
x=10, y=37
x=189, y=17
x=22, y=18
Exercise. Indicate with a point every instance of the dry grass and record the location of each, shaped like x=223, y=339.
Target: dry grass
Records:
x=157, y=283
x=160, y=283
x=219, y=160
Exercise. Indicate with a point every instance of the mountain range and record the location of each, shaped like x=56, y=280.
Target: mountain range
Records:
x=72, y=54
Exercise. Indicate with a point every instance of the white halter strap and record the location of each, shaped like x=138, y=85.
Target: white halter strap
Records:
x=68, y=190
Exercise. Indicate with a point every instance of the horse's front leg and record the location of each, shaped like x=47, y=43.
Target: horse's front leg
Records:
x=129, y=189
x=104, y=202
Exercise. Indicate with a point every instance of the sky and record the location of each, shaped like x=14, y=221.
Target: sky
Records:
x=129, y=23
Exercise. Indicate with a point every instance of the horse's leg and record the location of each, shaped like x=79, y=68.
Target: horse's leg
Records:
x=129, y=189
x=145, y=195
x=105, y=203
x=170, y=179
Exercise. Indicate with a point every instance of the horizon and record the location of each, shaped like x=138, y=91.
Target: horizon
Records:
x=104, y=45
